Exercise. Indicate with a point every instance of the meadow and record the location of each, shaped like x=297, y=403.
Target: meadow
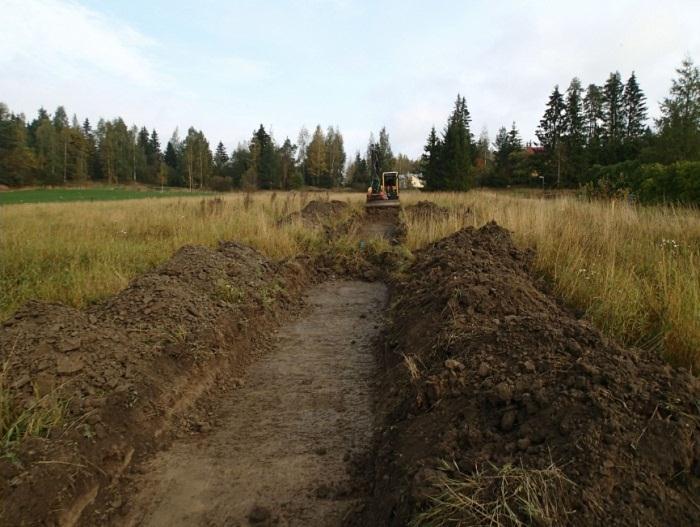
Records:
x=632, y=270
x=97, y=193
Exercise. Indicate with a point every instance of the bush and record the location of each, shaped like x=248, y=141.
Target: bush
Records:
x=650, y=183
x=221, y=184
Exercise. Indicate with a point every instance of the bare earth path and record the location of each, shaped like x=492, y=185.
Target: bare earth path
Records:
x=283, y=447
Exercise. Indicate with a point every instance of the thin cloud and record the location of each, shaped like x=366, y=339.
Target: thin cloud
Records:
x=64, y=39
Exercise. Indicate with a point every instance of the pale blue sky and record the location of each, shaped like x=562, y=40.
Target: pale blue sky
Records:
x=225, y=67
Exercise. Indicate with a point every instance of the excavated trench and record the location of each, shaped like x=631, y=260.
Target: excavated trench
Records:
x=348, y=418
x=283, y=450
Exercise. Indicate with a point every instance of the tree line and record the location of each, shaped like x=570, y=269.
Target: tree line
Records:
x=53, y=150
x=598, y=137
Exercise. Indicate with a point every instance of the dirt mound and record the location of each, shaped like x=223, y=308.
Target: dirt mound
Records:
x=319, y=212
x=427, y=210
x=120, y=372
x=501, y=404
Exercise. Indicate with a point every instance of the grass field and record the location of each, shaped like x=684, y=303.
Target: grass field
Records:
x=632, y=270
x=58, y=195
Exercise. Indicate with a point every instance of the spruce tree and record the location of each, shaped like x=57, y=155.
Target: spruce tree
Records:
x=549, y=134
x=679, y=124
x=265, y=160
x=433, y=176
x=593, y=118
x=574, y=140
x=613, y=118
x=457, y=148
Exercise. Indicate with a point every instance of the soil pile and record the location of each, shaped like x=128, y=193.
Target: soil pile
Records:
x=489, y=374
x=319, y=212
x=123, y=370
x=427, y=210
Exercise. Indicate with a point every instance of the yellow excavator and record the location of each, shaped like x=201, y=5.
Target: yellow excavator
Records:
x=384, y=190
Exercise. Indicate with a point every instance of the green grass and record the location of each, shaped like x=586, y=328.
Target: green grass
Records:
x=59, y=195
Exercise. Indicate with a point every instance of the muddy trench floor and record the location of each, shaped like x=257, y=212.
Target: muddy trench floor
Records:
x=283, y=450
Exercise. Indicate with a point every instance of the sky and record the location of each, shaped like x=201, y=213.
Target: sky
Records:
x=226, y=67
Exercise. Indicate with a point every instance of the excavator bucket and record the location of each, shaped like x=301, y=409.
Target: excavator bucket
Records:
x=382, y=203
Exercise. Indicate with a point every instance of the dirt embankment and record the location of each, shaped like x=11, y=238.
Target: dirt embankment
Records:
x=526, y=405
x=126, y=370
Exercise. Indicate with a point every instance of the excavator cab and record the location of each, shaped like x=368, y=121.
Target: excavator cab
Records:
x=384, y=191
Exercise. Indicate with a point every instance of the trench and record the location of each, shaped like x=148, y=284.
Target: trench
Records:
x=283, y=450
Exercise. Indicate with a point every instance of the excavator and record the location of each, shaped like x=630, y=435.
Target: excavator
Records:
x=384, y=190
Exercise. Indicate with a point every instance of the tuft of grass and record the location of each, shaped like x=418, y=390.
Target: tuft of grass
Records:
x=38, y=419
x=507, y=496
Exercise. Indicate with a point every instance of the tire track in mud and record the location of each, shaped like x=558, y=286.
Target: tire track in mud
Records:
x=282, y=452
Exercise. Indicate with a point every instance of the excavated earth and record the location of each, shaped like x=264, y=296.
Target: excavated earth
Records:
x=225, y=389
x=128, y=371
x=484, y=370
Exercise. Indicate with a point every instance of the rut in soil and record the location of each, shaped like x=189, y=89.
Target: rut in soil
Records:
x=282, y=452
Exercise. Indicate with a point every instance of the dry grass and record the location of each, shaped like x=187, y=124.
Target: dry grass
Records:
x=633, y=270
x=36, y=419
x=80, y=252
x=507, y=496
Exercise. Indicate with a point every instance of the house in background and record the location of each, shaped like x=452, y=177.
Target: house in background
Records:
x=410, y=181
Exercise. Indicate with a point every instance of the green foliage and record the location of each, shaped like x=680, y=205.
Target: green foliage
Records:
x=447, y=160
x=649, y=183
x=679, y=125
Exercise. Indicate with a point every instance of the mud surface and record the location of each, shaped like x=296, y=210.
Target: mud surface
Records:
x=486, y=372
x=282, y=451
x=384, y=223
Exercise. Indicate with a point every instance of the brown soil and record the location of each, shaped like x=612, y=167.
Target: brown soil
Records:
x=427, y=210
x=127, y=369
x=319, y=212
x=175, y=416
x=507, y=376
x=281, y=451
x=383, y=222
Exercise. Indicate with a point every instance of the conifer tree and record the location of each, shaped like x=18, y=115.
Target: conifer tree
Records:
x=613, y=118
x=574, y=140
x=593, y=118
x=433, y=176
x=220, y=160
x=679, y=124
x=549, y=134
x=457, y=148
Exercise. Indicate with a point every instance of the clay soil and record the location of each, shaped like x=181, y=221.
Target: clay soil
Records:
x=224, y=389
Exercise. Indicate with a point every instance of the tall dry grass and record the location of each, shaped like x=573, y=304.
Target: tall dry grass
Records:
x=633, y=270
x=80, y=252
